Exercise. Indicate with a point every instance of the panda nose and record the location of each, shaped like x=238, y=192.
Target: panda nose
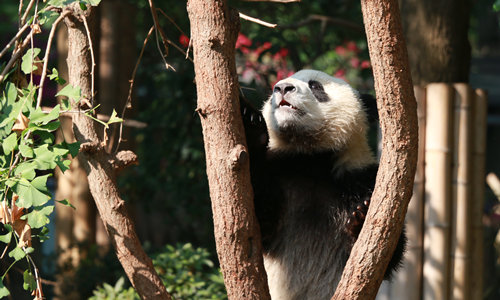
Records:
x=284, y=88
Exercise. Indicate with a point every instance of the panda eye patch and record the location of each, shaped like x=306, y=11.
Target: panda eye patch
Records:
x=318, y=91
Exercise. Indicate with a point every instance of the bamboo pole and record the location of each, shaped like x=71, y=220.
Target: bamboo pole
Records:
x=407, y=283
x=479, y=109
x=460, y=252
x=438, y=140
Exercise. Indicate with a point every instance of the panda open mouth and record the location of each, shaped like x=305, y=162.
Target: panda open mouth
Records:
x=285, y=103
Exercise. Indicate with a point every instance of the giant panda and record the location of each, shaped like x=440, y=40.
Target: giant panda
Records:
x=313, y=173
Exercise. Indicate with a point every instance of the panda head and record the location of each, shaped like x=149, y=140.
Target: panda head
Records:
x=312, y=112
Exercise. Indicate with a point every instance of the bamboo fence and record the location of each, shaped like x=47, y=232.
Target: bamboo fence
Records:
x=444, y=220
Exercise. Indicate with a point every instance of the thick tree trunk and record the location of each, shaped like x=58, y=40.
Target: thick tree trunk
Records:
x=436, y=32
x=95, y=160
x=214, y=28
x=397, y=108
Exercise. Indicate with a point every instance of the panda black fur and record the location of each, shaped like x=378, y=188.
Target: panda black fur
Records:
x=313, y=174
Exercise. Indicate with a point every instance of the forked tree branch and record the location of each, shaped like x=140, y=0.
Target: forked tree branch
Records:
x=398, y=117
x=101, y=175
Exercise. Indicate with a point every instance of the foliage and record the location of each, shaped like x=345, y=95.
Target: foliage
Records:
x=29, y=154
x=496, y=5
x=116, y=292
x=187, y=272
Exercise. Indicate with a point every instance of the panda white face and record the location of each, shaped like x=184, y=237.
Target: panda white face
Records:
x=312, y=111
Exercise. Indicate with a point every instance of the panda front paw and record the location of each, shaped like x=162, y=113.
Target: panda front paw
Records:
x=255, y=128
x=251, y=115
x=357, y=218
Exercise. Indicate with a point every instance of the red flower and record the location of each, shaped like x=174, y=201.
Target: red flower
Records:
x=283, y=52
x=184, y=40
x=340, y=74
x=243, y=40
x=351, y=46
x=365, y=64
x=354, y=62
x=340, y=50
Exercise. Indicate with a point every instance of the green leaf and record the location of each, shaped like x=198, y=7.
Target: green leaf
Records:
x=38, y=117
x=73, y=148
x=52, y=126
x=27, y=65
x=17, y=254
x=29, y=281
x=71, y=92
x=65, y=105
x=26, y=150
x=40, y=183
x=29, y=195
x=39, y=217
x=11, y=182
x=6, y=237
x=4, y=292
x=10, y=143
x=83, y=6
x=66, y=202
x=44, y=234
x=11, y=90
x=45, y=137
x=9, y=108
x=46, y=158
x=47, y=17
x=26, y=170
x=63, y=164
x=114, y=118
x=55, y=76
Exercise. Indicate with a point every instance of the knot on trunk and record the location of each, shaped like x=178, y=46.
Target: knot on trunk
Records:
x=123, y=159
x=238, y=156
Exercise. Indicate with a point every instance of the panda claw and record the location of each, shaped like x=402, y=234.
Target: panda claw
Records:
x=357, y=218
x=244, y=110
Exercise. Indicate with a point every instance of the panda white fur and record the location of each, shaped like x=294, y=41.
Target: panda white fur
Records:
x=313, y=174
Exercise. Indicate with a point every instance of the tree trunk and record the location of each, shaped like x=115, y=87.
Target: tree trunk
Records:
x=76, y=230
x=436, y=32
x=137, y=265
x=214, y=28
x=397, y=109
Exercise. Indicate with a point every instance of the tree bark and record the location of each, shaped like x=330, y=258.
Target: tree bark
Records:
x=214, y=28
x=436, y=32
x=137, y=265
x=397, y=109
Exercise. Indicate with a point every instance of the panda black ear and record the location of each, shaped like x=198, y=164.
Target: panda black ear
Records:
x=370, y=104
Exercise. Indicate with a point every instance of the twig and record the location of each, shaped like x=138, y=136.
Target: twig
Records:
x=11, y=42
x=47, y=52
x=19, y=13
x=16, y=55
x=494, y=184
x=258, y=21
x=279, y=1
x=38, y=279
x=36, y=29
x=26, y=12
x=170, y=19
x=335, y=21
x=162, y=34
x=93, y=59
x=126, y=122
x=186, y=53
x=128, y=103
